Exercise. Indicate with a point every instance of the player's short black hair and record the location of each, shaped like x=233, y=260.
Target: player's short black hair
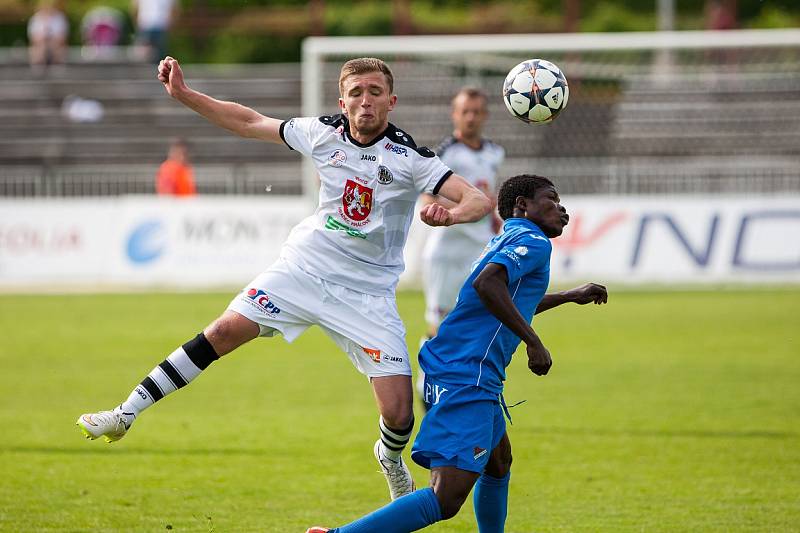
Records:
x=523, y=185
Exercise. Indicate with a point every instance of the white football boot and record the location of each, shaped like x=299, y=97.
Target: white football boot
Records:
x=397, y=474
x=107, y=424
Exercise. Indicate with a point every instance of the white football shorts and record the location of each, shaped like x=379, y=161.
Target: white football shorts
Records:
x=444, y=272
x=286, y=299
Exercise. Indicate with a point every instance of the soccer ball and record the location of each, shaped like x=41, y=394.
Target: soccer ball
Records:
x=535, y=91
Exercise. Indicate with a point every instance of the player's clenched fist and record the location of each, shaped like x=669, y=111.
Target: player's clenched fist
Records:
x=171, y=75
x=434, y=214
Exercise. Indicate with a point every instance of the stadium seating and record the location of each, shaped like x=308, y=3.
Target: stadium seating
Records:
x=637, y=134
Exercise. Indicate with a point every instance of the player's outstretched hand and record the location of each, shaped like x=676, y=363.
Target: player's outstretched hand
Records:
x=539, y=360
x=171, y=75
x=589, y=293
x=434, y=214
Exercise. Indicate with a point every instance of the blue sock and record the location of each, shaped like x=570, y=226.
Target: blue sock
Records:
x=490, y=499
x=409, y=513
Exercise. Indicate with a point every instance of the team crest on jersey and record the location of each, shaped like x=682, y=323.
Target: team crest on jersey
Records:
x=337, y=158
x=356, y=201
x=385, y=176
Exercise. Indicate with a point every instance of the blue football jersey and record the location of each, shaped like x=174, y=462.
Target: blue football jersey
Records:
x=473, y=347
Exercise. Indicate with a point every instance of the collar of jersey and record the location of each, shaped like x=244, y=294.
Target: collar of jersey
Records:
x=468, y=147
x=521, y=221
x=380, y=136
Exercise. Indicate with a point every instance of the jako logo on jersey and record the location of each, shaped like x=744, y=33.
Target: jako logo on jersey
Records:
x=521, y=250
x=368, y=157
x=262, y=300
x=373, y=354
x=396, y=149
x=146, y=242
x=356, y=201
x=477, y=453
x=337, y=158
x=385, y=176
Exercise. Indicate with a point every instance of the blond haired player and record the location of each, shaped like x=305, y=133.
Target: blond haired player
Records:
x=346, y=256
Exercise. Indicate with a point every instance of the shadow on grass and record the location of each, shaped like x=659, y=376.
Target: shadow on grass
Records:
x=685, y=433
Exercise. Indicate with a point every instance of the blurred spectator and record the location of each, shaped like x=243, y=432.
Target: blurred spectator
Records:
x=101, y=29
x=720, y=15
x=48, y=29
x=175, y=175
x=84, y=110
x=153, y=20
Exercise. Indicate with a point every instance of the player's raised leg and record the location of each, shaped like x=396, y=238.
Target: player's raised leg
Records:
x=394, y=397
x=182, y=366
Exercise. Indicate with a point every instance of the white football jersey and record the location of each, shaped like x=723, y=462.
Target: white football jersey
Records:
x=479, y=167
x=367, y=196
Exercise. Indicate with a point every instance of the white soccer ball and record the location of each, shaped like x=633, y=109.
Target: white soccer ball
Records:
x=535, y=91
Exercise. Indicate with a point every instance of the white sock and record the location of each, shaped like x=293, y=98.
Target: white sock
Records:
x=175, y=372
x=393, y=441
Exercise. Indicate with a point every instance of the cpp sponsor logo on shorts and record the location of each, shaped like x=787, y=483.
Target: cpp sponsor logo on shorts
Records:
x=261, y=299
x=146, y=242
x=337, y=158
x=399, y=150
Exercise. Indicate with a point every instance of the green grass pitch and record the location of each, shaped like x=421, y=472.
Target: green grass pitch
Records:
x=664, y=411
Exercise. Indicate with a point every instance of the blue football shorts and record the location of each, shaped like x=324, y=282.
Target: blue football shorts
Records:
x=461, y=428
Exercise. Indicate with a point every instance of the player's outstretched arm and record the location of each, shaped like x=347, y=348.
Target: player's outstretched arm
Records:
x=470, y=204
x=237, y=118
x=588, y=293
x=492, y=288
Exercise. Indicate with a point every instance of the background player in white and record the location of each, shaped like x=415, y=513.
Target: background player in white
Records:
x=449, y=252
x=339, y=267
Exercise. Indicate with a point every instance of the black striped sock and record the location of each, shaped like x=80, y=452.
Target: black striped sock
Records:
x=176, y=371
x=394, y=440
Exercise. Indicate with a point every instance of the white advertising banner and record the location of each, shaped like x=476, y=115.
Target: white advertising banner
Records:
x=680, y=240
x=225, y=241
x=143, y=241
x=670, y=240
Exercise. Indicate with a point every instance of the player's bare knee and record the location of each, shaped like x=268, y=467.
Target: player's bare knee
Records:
x=398, y=416
x=395, y=400
x=230, y=331
x=450, y=500
x=500, y=460
x=451, y=487
x=499, y=468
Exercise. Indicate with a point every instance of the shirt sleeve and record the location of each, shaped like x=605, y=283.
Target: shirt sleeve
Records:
x=429, y=172
x=524, y=255
x=298, y=133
